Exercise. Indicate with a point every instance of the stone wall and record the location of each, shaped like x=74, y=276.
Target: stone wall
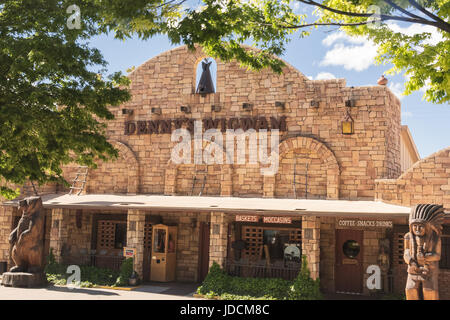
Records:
x=427, y=181
x=218, y=238
x=167, y=82
x=135, y=237
x=311, y=243
x=79, y=240
x=327, y=253
x=6, y=221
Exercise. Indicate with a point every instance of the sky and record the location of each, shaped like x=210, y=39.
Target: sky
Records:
x=325, y=54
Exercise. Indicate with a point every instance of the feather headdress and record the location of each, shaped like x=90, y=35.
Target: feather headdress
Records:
x=431, y=214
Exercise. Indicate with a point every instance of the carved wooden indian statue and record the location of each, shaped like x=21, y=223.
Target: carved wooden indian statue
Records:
x=423, y=251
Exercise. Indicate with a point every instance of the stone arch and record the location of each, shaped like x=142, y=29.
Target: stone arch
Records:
x=173, y=169
x=132, y=164
x=326, y=156
x=129, y=160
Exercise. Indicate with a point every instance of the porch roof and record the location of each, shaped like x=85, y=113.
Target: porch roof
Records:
x=291, y=207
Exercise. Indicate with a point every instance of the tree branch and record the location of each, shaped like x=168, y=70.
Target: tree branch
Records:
x=426, y=12
x=437, y=24
x=393, y=5
x=352, y=14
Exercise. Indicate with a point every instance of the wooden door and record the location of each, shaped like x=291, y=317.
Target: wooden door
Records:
x=203, y=256
x=349, y=261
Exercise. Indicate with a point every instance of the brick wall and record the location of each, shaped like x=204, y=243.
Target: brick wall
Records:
x=311, y=243
x=167, y=82
x=327, y=253
x=6, y=220
x=80, y=238
x=427, y=181
x=401, y=275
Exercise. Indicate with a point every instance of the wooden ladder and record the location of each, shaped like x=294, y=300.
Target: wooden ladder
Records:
x=80, y=177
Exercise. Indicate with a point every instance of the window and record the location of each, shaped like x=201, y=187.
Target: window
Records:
x=275, y=244
x=351, y=249
x=111, y=234
x=160, y=238
x=276, y=241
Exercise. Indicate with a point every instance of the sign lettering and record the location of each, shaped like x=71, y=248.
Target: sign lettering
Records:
x=366, y=223
x=165, y=126
x=284, y=220
x=247, y=218
x=129, y=252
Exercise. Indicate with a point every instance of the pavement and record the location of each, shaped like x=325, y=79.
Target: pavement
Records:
x=151, y=291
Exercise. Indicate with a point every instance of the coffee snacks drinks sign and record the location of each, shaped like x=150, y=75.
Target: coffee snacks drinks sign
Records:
x=365, y=223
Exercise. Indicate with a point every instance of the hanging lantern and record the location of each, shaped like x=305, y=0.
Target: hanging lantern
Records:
x=348, y=124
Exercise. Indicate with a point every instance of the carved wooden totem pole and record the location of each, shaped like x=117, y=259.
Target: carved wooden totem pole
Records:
x=423, y=251
x=27, y=242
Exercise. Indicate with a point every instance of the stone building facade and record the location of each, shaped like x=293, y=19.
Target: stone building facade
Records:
x=317, y=162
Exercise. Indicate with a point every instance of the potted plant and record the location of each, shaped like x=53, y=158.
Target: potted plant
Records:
x=133, y=279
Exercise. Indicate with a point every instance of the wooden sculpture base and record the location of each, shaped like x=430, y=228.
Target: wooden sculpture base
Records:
x=24, y=279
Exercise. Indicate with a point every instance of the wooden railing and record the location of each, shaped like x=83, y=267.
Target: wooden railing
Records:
x=259, y=269
x=95, y=260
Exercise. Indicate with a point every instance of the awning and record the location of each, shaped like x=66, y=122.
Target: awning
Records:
x=291, y=207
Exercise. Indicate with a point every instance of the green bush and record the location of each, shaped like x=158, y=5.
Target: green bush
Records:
x=90, y=276
x=304, y=287
x=393, y=296
x=218, y=283
x=126, y=270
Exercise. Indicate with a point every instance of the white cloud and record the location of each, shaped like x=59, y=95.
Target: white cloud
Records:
x=397, y=88
x=353, y=53
x=414, y=29
x=336, y=36
x=322, y=76
x=325, y=76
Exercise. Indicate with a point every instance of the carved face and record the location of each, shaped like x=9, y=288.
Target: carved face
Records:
x=29, y=205
x=418, y=229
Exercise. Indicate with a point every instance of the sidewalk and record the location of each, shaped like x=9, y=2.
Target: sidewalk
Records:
x=151, y=291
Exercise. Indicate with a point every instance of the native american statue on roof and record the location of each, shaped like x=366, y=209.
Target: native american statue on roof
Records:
x=423, y=251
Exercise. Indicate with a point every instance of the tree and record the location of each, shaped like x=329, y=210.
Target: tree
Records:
x=425, y=63
x=54, y=93
x=220, y=27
